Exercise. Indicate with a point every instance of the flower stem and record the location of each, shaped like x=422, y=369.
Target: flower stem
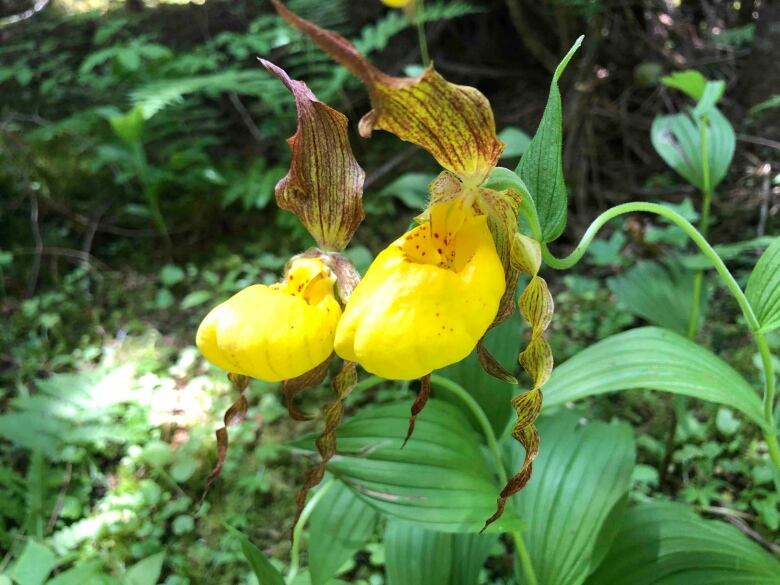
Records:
x=490, y=438
x=704, y=224
x=421, y=38
x=769, y=430
x=295, y=552
x=492, y=443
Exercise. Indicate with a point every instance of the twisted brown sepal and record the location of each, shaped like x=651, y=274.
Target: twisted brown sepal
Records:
x=536, y=307
x=291, y=387
x=501, y=208
x=324, y=187
x=234, y=415
x=454, y=123
x=418, y=405
x=333, y=412
x=492, y=366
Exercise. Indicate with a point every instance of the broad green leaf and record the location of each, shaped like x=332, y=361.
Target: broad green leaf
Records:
x=763, y=288
x=677, y=139
x=340, y=525
x=33, y=565
x=579, y=487
x=713, y=91
x=265, y=572
x=690, y=82
x=661, y=294
x=417, y=556
x=86, y=573
x=655, y=359
x=541, y=167
x=146, y=571
x=669, y=544
x=492, y=394
x=440, y=479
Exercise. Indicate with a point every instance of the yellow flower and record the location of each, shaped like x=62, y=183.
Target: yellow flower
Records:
x=397, y=3
x=275, y=332
x=427, y=299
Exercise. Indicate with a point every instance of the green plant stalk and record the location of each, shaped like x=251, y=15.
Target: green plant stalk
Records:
x=421, y=38
x=153, y=201
x=295, y=551
x=704, y=224
x=769, y=430
x=490, y=438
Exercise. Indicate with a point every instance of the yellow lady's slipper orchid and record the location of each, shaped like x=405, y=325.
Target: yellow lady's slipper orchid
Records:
x=397, y=3
x=427, y=299
x=275, y=332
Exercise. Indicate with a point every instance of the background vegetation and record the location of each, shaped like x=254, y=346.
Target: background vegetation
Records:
x=139, y=146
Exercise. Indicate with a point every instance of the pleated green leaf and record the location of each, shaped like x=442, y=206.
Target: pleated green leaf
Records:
x=340, y=525
x=579, y=487
x=492, y=394
x=265, y=572
x=655, y=359
x=440, y=479
x=677, y=140
x=541, y=167
x=417, y=556
x=661, y=294
x=763, y=289
x=668, y=544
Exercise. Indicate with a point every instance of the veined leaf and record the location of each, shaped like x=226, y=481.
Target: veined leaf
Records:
x=656, y=359
x=340, y=525
x=33, y=565
x=669, y=544
x=265, y=572
x=660, y=294
x=581, y=479
x=416, y=556
x=541, y=167
x=440, y=479
x=690, y=82
x=763, y=288
x=146, y=571
x=677, y=140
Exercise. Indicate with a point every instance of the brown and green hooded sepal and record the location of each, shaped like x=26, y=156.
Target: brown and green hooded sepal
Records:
x=324, y=187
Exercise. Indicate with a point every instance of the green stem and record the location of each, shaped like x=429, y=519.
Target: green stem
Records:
x=492, y=443
x=704, y=224
x=421, y=38
x=295, y=552
x=490, y=438
x=770, y=434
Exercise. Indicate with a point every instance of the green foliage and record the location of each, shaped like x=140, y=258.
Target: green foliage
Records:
x=341, y=524
x=661, y=294
x=541, y=167
x=416, y=556
x=662, y=543
x=763, y=289
x=265, y=572
x=655, y=359
x=582, y=476
x=440, y=480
